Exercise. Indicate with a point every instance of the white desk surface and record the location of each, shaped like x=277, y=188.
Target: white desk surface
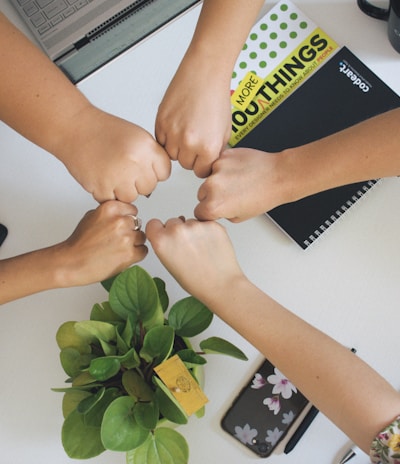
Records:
x=347, y=284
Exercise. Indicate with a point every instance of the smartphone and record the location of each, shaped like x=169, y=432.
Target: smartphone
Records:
x=3, y=233
x=264, y=410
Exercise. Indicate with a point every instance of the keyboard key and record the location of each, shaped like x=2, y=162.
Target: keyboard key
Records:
x=42, y=29
x=37, y=19
x=56, y=20
x=68, y=12
x=43, y=3
x=30, y=9
x=80, y=4
x=55, y=8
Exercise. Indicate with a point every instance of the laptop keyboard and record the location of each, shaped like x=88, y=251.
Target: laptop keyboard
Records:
x=46, y=14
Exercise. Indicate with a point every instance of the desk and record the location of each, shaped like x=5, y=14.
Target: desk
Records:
x=346, y=284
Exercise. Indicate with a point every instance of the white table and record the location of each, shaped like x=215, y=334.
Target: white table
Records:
x=347, y=284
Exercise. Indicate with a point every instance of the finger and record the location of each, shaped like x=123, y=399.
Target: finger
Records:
x=202, y=192
x=202, y=167
x=139, y=238
x=140, y=252
x=162, y=165
x=135, y=223
x=202, y=213
x=153, y=227
x=122, y=208
x=160, y=134
x=146, y=183
x=102, y=197
x=175, y=222
x=169, y=146
x=89, y=213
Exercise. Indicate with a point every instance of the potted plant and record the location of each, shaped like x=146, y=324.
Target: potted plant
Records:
x=115, y=399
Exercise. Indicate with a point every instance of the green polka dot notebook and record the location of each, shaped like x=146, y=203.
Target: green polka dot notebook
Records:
x=278, y=32
x=283, y=50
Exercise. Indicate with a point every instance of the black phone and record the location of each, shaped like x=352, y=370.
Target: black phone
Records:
x=264, y=410
x=3, y=233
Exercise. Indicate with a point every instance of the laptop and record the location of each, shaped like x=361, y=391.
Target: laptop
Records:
x=80, y=36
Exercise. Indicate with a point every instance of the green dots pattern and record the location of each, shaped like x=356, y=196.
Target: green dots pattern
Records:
x=284, y=27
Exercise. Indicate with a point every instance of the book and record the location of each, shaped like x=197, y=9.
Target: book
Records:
x=338, y=92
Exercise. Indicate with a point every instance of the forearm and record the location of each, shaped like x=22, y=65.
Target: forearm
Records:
x=221, y=31
x=366, y=151
x=36, y=99
x=328, y=376
x=31, y=273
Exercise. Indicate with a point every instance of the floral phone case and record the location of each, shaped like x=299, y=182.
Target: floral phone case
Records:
x=264, y=410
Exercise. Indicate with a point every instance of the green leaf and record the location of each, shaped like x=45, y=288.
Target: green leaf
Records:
x=67, y=337
x=130, y=360
x=189, y=317
x=122, y=346
x=136, y=386
x=97, y=329
x=80, y=441
x=218, y=345
x=73, y=362
x=94, y=416
x=157, y=344
x=107, y=283
x=146, y=414
x=71, y=399
x=191, y=358
x=103, y=312
x=165, y=446
x=119, y=429
x=168, y=404
x=83, y=379
x=134, y=295
x=162, y=293
x=200, y=412
x=127, y=333
x=88, y=403
x=104, y=332
x=104, y=368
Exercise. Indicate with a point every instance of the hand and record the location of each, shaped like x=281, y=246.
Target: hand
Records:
x=112, y=158
x=244, y=183
x=194, y=119
x=103, y=244
x=198, y=254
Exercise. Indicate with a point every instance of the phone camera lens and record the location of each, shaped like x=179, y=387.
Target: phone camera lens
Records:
x=262, y=447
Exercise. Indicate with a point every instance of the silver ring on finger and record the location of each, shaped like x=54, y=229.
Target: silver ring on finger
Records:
x=137, y=222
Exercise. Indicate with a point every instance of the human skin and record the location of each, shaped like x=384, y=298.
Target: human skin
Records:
x=194, y=118
x=191, y=250
x=103, y=244
x=245, y=182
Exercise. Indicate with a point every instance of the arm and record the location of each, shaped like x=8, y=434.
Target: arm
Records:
x=194, y=118
x=246, y=182
x=193, y=250
x=108, y=156
x=102, y=245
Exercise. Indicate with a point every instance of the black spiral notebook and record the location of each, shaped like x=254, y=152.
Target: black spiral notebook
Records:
x=329, y=101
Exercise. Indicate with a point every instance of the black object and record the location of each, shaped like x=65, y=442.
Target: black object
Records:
x=254, y=423
x=301, y=429
x=3, y=233
x=343, y=92
x=390, y=14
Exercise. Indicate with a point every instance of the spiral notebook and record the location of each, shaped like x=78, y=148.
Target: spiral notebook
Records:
x=340, y=94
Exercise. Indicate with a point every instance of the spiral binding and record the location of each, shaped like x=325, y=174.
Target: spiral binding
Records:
x=339, y=212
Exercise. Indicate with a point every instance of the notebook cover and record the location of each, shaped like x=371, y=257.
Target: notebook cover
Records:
x=340, y=94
